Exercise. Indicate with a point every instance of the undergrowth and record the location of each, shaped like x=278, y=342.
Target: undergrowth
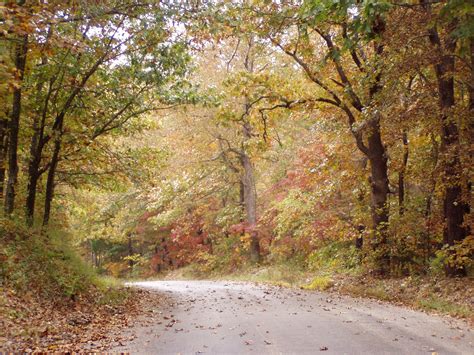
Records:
x=44, y=263
x=440, y=305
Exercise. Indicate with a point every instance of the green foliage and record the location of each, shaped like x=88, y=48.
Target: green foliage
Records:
x=335, y=257
x=460, y=255
x=436, y=265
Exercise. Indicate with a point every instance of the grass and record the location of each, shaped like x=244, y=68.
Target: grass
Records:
x=440, y=305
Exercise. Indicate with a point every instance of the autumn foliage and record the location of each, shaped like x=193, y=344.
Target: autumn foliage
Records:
x=166, y=135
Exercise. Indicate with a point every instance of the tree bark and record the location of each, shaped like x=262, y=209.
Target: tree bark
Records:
x=401, y=176
x=379, y=187
x=3, y=153
x=250, y=198
x=454, y=208
x=241, y=196
x=33, y=177
x=50, y=182
x=21, y=50
x=36, y=149
x=37, y=140
x=248, y=178
x=377, y=155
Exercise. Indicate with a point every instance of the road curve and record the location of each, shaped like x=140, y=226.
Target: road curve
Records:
x=217, y=317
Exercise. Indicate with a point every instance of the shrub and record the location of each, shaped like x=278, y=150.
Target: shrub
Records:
x=337, y=256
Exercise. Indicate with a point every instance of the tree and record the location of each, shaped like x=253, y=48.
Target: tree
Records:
x=322, y=31
x=20, y=49
x=78, y=49
x=455, y=206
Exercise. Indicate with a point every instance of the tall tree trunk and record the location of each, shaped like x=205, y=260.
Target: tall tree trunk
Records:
x=21, y=50
x=250, y=198
x=379, y=183
x=37, y=140
x=50, y=182
x=248, y=178
x=37, y=144
x=379, y=186
x=454, y=207
x=375, y=150
x=36, y=149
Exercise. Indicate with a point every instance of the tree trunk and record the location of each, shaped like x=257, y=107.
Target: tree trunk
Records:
x=37, y=143
x=36, y=149
x=401, y=176
x=21, y=50
x=3, y=153
x=379, y=182
x=471, y=84
x=454, y=207
x=50, y=183
x=379, y=186
x=33, y=177
x=434, y=157
x=241, y=196
x=250, y=198
x=34, y=173
x=248, y=178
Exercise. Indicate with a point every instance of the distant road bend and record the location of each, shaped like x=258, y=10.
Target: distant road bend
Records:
x=218, y=317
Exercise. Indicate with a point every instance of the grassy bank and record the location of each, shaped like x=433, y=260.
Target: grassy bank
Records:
x=49, y=298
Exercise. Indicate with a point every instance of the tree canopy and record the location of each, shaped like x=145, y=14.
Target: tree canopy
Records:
x=228, y=133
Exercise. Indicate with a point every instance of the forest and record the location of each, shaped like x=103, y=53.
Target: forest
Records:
x=315, y=140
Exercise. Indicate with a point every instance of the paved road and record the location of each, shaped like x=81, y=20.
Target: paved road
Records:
x=215, y=317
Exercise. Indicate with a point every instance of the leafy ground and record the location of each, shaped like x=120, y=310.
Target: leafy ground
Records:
x=30, y=324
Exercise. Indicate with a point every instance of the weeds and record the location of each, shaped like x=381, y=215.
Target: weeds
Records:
x=434, y=303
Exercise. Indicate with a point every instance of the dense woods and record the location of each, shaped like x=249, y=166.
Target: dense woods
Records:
x=227, y=134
